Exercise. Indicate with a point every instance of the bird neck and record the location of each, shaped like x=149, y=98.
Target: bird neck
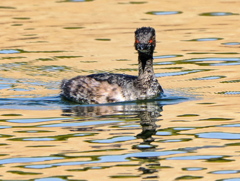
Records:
x=145, y=65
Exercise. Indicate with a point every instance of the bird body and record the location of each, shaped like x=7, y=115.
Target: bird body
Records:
x=109, y=87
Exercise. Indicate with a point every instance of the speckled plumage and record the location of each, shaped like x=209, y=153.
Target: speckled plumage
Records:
x=108, y=87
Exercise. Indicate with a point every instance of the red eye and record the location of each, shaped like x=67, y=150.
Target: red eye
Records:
x=150, y=41
x=137, y=41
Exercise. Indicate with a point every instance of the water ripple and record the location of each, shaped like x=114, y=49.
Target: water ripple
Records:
x=218, y=14
x=28, y=159
x=196, y=157
x=220, y=135
x=110, y=158
x=164, y=12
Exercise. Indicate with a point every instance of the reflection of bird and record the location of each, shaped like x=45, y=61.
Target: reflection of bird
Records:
x=148, y=114
x=108, y=87
x=146, y=111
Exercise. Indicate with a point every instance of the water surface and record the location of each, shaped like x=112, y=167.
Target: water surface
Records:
x=191, y=133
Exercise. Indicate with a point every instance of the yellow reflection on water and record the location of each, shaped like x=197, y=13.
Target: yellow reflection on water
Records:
x=192, y=134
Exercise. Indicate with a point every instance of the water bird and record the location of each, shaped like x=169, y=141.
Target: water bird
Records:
x=109, y=87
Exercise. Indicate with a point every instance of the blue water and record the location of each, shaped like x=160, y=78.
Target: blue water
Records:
x=56, y=102
x=27, y=159
x=190, y=133
x=220, y=135
x=111, y=158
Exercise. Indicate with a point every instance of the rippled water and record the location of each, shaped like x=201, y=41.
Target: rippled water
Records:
x=191, y=133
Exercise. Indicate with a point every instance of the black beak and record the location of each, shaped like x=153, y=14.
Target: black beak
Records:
x=143, y=47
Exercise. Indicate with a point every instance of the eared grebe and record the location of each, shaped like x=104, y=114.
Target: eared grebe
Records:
x=109, y=87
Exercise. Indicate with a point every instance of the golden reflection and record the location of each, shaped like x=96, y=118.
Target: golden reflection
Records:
x=148, y=113
x=43, y=42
